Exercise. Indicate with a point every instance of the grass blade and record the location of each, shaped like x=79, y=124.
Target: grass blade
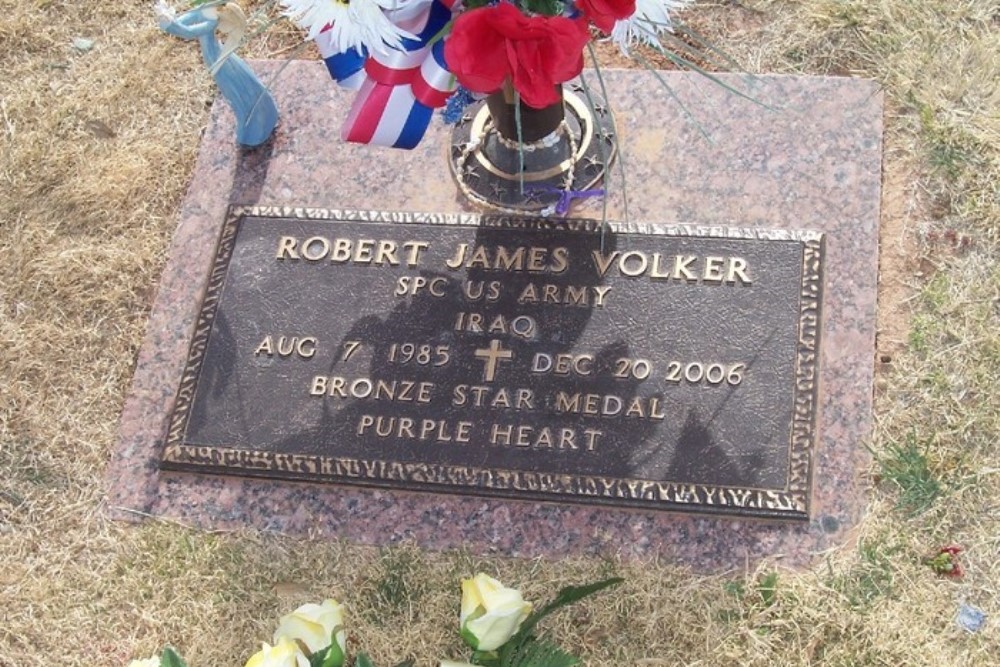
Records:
x=670, y=91
x=684, y=63
x=621, y=151
x=565, y=597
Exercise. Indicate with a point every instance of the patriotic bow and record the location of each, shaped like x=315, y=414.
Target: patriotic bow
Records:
x=398, y=90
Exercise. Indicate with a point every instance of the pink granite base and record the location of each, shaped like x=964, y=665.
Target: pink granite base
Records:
x=811, y=161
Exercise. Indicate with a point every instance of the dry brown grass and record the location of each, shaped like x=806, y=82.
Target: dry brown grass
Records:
x=96, y=151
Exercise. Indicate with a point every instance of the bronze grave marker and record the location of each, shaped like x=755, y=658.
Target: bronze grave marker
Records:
x=635, y=365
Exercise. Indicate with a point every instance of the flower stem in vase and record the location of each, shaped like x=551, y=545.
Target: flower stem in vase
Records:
x=511, y=157
x=535, y=123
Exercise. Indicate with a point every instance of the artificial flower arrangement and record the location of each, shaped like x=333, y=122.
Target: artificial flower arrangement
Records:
x=495, y=622
x=407, y=58
x=528, y=146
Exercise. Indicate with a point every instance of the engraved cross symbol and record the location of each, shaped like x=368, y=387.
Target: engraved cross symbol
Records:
x=490, y=356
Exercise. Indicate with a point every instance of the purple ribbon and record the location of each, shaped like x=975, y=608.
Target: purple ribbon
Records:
x=566, y=197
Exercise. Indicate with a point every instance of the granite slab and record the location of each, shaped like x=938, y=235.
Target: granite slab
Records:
x=805, y=155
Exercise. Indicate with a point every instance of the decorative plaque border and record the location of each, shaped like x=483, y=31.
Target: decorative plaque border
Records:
x=790, y=503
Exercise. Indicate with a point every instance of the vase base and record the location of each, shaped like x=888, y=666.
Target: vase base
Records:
x=499, y=175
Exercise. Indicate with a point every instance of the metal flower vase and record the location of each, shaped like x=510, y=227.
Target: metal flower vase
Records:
x=509, y=157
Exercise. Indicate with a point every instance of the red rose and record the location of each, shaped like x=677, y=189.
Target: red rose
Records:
x=489, y=44
x=604, y=13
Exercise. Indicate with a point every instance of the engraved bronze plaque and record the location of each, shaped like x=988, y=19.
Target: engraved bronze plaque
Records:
x=653, y=366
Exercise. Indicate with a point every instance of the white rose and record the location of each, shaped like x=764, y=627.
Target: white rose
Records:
x=452, y=663
x=491, y=612
x=284, y=653
x=314, y=626
x=148, y=662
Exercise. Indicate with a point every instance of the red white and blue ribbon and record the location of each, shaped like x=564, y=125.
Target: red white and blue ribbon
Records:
x=398, y=90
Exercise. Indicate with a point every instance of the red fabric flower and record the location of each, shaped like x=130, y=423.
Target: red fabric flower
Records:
x=489, y=44
x=604, y=13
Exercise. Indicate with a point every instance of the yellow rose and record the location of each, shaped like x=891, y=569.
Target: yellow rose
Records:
x=314, y=626
x=284, y=653
x=491, y=612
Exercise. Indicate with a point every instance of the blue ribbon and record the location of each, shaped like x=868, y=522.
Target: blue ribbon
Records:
x=346, y=64
x=436, y=20
x=415, y=127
